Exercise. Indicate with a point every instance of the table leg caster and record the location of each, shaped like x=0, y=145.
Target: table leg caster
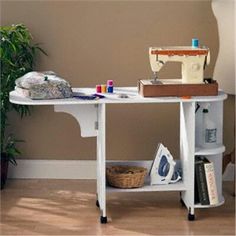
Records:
x=191, y=217
x=97, y=204
x=103, y=220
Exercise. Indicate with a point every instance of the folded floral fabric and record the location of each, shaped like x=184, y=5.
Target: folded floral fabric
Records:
x=43, y=85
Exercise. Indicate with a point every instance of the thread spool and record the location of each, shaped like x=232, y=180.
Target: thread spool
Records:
x=110, y=89
x=110, y=86
x=104, y=88
x=195, y=43
x=98, y=88
x=110, y=82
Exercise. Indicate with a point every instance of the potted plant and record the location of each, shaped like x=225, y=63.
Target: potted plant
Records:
x=17, y=56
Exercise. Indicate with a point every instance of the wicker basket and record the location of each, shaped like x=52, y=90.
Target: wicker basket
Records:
x=126, y=176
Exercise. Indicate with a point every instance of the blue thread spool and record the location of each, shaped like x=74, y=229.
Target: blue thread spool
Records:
x=110, y=89
x=195, y=43
x=110, y=86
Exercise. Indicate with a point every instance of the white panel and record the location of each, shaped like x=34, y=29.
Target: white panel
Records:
x=187, y=148
x=101, y=158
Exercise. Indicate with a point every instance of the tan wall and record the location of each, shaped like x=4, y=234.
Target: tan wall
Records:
x=89, y=42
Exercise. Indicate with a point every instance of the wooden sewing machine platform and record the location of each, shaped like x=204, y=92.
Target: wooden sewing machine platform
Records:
x=174, y=87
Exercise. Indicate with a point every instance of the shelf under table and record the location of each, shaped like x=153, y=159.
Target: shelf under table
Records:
x=179, y=186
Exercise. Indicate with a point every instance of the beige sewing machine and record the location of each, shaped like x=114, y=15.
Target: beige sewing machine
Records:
x=193, y=61
x=192, y=83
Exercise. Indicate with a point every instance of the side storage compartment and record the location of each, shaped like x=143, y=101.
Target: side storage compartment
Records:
x=212, y=151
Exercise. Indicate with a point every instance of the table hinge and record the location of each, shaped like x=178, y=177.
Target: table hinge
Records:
x=96, y=125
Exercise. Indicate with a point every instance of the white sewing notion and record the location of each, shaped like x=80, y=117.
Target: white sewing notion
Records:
x=193, y=61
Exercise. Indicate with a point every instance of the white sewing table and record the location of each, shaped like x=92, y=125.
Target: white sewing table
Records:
x=91, y=116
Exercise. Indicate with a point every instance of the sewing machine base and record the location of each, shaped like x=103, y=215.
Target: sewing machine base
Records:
x=175, y=87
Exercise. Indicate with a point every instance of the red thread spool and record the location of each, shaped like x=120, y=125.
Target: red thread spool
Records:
x=98, y=88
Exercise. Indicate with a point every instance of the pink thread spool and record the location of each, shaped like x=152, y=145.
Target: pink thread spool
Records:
x=110, y=82
x=98, y=88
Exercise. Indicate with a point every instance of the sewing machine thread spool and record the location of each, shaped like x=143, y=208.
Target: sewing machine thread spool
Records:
x=103, y=88
x=195, y=43
x=98, y=88
x=110, y=89
x=110, y=86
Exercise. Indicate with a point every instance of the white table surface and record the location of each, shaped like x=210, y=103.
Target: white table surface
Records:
x=132, y=92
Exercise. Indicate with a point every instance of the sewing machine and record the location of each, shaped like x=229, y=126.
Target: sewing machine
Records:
x=193, y=61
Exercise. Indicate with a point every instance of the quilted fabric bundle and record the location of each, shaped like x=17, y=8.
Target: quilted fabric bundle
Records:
x=43, y=85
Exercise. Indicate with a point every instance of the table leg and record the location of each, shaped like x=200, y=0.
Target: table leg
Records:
x=101, y=161
x=187, y=143
x=98, y=175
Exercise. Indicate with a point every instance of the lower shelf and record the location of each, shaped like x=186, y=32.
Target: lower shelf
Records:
x=179, y=186
x=209, y=206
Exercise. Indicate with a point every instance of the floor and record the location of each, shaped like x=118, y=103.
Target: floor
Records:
x=67, y=207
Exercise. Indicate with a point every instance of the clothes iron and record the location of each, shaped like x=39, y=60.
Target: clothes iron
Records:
x=163, y=167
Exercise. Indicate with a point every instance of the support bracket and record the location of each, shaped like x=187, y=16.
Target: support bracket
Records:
x=86, y=115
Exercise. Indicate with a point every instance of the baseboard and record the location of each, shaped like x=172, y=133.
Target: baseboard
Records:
x=53, y=169
x=69, y=169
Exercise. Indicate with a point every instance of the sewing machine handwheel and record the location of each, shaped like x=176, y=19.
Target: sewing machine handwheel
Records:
x=191, y=217
x=103, y=220
x=97, y=204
